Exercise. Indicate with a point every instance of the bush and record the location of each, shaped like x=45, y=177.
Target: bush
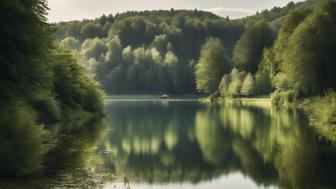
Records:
x=21, y=141
x=48, y=110
x=290, y=96
x=283, y=97
x=276, y=98
x=75, y=89
x=323, y=109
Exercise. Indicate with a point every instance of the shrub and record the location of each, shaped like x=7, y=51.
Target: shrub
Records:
x=48, y=110
x=283, y=97
x=20, y=141
x=323, y=109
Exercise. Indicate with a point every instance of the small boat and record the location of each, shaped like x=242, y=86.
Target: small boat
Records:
x=164, y=96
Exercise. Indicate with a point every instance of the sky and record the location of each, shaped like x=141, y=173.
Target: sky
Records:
x=65, y=10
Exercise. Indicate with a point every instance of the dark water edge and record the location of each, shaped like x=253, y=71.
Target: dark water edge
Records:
x=68, y=147
x=187, y=144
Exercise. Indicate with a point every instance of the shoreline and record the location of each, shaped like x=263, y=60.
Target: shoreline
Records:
x=325, y=129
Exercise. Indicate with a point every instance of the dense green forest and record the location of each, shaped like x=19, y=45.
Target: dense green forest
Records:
x=157, y=51
x=42, y=88
x=295, y=60
x=146, y=52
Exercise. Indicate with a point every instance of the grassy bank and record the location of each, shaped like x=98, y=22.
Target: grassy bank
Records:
x=320, y=110
x=263, y=102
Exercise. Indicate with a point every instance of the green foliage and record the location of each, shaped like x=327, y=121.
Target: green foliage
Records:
x=94, y=48
x=21, y=140
x=266, y=72
x=322, y=110
x=131, y=40
x=301, y=61
x=248, y=86
x=92, y=30
x=48, y=110
x=212, y=64
x=304, y=51
x=310, y=65
x=70, y=43
x=248, y=51
x=283, y=97
x=161, y=42
x=74, y=88
x=25, y=42
x=40, y=86
x=263, y=83
x=183, y=33
x=236, y=83
x=224, y=85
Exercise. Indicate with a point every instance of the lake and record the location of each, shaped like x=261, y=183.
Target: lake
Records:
x=182, y=143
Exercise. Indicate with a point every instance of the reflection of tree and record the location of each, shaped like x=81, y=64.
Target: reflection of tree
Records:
x=214, y=144
x=72, y=160
x=252, y=164
x=170, y=136
x=193, y=142
x=277, y=144
x=296, y=158
x=156, y=144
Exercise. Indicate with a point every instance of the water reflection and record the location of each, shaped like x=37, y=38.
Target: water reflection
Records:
x=70, y=162
x=181, y=142
x=185, y=144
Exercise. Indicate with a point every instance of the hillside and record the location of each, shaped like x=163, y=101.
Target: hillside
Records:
x=156, y=51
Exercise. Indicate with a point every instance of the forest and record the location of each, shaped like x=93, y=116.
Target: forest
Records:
x=183, y=51
x=145, y=52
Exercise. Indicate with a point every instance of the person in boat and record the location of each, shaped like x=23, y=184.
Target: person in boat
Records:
x=164, y=96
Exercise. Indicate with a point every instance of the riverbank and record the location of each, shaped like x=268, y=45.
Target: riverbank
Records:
x=320, y=110
x=257, y=101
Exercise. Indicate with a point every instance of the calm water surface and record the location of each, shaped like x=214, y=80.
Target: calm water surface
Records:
x=186, y=144
x=182, y=143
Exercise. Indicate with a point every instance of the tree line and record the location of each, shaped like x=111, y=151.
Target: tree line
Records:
x=162, y=51
x=146, y=52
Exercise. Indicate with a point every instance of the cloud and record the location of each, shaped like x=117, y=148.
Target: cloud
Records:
x=231, y=12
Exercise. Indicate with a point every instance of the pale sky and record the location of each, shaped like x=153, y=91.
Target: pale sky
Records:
x=65, y=10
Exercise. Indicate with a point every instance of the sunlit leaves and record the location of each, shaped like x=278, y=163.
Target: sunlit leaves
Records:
x=212, y=64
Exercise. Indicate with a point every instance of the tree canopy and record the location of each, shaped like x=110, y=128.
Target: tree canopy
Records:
x=212, y=64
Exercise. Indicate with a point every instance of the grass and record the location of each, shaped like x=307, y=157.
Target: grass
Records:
x=321, y=111
x=261, y=101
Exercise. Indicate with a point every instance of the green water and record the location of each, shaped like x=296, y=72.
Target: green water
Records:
x=182, y=143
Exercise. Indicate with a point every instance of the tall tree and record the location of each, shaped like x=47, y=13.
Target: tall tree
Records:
x=248, y=51
x=309, y=61
x=248, y=86
x=224, y=85
x=236, y=82
x=212, y=65
x=25, y=41
x=275, y=56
